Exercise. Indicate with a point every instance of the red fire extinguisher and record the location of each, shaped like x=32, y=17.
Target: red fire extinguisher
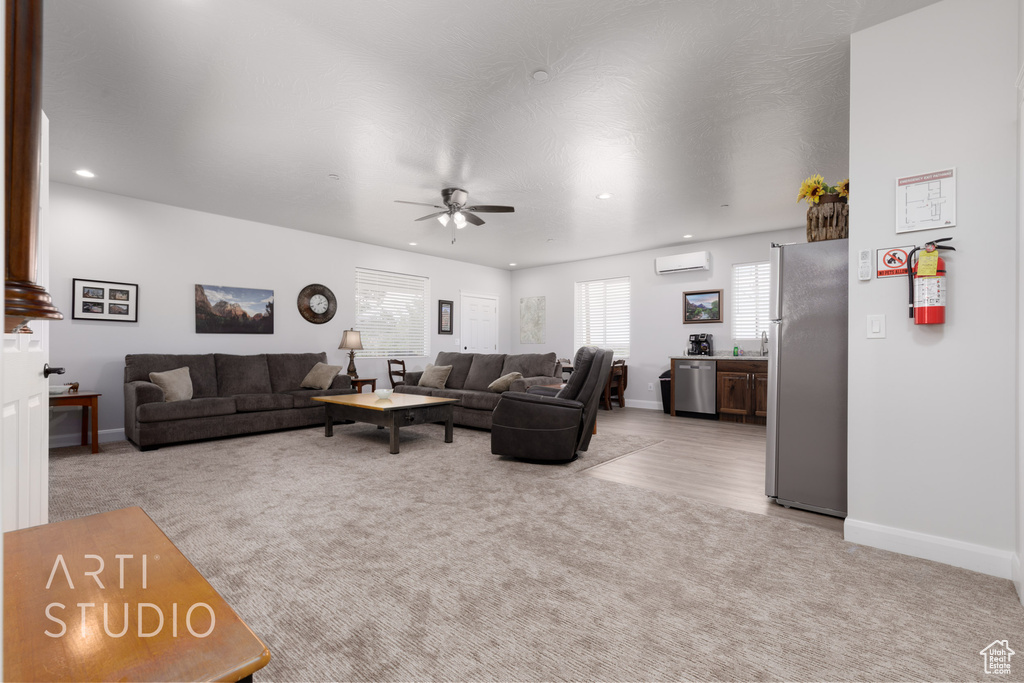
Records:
x=927, y=275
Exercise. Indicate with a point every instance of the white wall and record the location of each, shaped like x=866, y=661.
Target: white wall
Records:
x=932, y=421
x=168, y=250
x=657, y=331
x=1017, y=573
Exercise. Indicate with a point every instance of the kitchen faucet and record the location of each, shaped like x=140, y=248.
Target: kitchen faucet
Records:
x=764, y=343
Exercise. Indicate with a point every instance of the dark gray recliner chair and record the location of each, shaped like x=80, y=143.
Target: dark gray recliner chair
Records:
x=543, y=425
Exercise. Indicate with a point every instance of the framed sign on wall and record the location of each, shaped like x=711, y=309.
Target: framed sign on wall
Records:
x=102, y=300
x=444, y=316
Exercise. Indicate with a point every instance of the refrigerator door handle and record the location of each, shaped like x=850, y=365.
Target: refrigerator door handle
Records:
x=774, y=284
x=771, y=454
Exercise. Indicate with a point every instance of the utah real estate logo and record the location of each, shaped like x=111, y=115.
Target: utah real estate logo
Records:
x=997, y=657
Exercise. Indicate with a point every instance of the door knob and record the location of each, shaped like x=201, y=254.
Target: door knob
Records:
x=47, y=370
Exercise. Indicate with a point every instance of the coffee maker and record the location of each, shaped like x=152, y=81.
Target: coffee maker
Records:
x=701, y=345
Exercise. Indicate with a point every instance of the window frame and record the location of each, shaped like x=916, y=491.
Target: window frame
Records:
x=619, y=337
x=412, y=343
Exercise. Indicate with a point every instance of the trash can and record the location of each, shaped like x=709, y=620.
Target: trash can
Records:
x=666, y=387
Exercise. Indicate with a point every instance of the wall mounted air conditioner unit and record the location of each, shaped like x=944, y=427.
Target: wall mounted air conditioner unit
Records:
x=698, y=260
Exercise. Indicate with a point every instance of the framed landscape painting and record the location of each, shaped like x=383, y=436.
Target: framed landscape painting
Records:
x=702, y=307
x=101, y=300
x=234, y=310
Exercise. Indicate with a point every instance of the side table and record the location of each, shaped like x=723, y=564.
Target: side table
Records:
x=172, y=607
x=362, y=382
x=89, y=401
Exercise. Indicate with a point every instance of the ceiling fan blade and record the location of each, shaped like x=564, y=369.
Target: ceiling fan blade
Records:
x=470, y=218
x=490, y=209
x=402, y=201
x=432, y=215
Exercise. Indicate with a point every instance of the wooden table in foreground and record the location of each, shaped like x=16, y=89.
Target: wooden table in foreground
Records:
x=89, y=400
x=178, y=627
x=401, y=410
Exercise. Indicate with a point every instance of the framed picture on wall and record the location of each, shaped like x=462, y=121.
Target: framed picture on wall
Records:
x=444, y=316
x=101, y=300
x=702, y=307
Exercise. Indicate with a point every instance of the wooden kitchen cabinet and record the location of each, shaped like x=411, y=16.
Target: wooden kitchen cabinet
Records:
x=743, y=391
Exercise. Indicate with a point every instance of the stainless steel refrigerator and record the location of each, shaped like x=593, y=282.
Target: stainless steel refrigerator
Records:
x=807, y=355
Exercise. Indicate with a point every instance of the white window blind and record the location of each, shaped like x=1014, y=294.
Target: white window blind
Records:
x=601, y=315
x=750, y=293
x=391, y=314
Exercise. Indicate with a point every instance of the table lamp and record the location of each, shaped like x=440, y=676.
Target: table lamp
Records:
x=352, y=341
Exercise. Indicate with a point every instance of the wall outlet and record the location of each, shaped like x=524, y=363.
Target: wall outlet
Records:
x=650, y=386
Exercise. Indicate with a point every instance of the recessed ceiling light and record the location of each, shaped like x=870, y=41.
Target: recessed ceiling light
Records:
x=412, y=244
x=686, y=237
x=85, y=174
x=540, y=75
x=511, y=264
x=605, y=195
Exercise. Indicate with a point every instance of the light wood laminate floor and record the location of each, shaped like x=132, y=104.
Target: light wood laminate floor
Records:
x=716, y=462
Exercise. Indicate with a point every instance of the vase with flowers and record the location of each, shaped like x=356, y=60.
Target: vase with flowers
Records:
x=828, y=214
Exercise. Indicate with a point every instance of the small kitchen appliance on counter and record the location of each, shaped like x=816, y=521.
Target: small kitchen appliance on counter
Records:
x=701, y=345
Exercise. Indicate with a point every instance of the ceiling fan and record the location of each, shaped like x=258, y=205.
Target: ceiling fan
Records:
x=455, y=209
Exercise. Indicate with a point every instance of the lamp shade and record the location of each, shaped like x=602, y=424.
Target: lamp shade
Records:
x=443, y=219
x=351, y=340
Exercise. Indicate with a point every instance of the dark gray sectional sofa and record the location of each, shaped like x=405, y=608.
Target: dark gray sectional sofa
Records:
x=473, y=372
x=231, y=395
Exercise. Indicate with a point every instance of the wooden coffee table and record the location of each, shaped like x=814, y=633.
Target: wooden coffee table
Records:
x=401, y=410
x=179, y=628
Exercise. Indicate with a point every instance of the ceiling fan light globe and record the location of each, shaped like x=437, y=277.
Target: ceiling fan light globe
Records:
x=443, y=219
x=460, y=220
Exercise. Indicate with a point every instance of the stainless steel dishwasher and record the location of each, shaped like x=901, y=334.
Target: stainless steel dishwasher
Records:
x=696, y=382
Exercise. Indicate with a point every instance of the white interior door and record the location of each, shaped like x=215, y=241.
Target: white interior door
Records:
x=26, y=396
x=479, y=323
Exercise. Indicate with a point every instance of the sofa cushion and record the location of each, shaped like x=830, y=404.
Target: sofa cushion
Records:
x=254, y=403
x=303, y=398
x=186, y=410
x=435, y=376
x=320, y=377
x=469, y=398
x=485, y=369
x=504, y=383
x=177, y=384
x=201, y=369
x=287, y=370
x=460, y=363
x=531, y=364
x=414, y=389
x=242, y=374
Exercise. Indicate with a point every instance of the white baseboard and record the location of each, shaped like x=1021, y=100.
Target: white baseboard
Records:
x=978, y=558
x=106, y=436
x=1018, y=580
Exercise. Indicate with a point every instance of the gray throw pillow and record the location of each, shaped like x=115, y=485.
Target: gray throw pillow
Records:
x=504, y=383
x=435, y=376
x=321, y=376
x=177, y=384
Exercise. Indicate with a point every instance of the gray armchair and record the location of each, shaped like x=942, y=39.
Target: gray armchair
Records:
x=541, y=427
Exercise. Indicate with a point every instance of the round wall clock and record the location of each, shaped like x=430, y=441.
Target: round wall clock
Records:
x=317, y=304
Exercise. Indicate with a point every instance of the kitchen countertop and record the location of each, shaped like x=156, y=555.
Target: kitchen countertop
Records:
x=722, y=356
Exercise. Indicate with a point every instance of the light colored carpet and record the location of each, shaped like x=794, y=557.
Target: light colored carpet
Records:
x=447, y=563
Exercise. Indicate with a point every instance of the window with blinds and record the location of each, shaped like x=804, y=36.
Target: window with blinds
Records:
x=601, y=315
x=750, y=294
x=391, y=314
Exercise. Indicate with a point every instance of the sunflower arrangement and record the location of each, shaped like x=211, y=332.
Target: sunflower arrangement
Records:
x=814, y=187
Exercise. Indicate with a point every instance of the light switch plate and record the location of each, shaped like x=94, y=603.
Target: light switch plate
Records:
x=876, y=326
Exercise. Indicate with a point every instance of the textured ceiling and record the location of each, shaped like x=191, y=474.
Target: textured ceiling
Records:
x=246, y=107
